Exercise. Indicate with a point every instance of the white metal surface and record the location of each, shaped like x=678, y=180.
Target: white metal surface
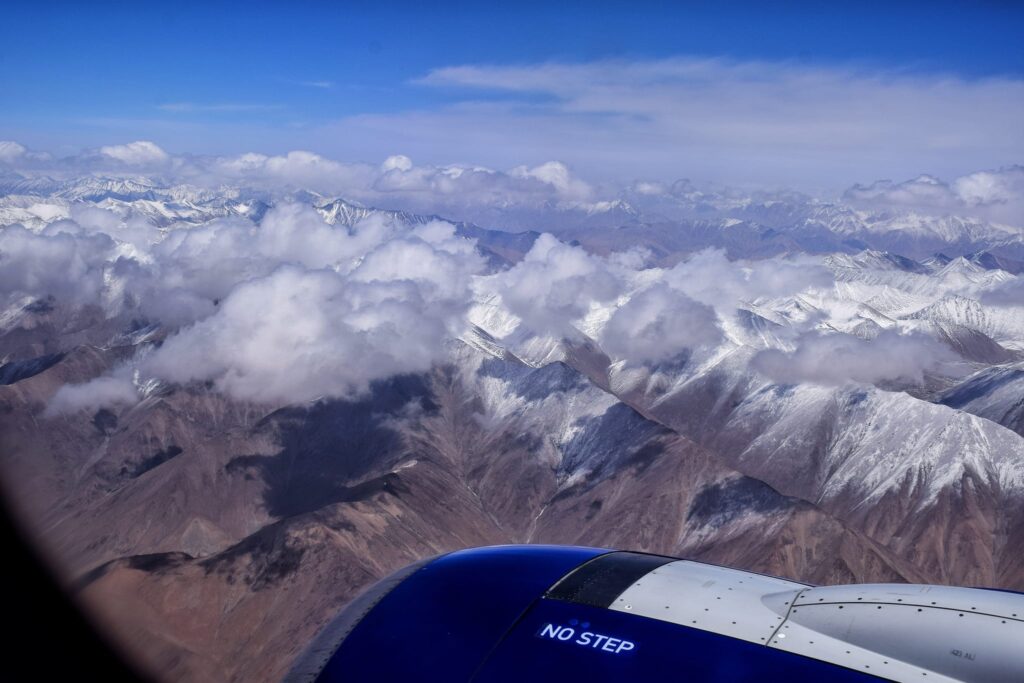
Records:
x=963, y=633
x=998, y=603
x=835, y=646
x=711, y=598
x=899, y=632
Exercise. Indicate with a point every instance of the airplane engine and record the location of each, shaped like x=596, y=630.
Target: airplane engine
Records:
x=533, y=613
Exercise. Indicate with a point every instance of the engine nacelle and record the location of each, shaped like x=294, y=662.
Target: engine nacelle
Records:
x=515, y=614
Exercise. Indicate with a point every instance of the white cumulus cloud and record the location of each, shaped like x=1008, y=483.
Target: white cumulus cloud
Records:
x=362, y=307
x=711, y=278
x=103, y=391
x=62, y=265
x=835, y=359
x=139, y=153
x=11, y=151
x=657, y=323
x=990, y=195
x=554, y=285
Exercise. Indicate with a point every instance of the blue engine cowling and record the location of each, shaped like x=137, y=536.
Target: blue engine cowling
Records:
x=536, y=613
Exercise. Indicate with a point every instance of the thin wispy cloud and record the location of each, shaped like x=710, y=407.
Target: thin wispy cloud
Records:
x=323, y=85
x=750, y=123
x=491, y=196
x=757, y=122
x=226, y=107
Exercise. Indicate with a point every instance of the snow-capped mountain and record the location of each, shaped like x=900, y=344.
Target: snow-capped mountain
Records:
x=693, y=220
x=995, y=393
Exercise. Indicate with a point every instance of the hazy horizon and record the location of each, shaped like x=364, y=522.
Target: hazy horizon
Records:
x=807, y=97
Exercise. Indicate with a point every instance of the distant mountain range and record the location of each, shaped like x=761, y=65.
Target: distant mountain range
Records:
x=669, y=225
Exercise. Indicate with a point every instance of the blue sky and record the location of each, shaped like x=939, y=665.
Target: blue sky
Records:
x=360, y=79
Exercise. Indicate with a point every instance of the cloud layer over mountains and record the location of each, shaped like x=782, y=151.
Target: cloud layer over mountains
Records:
x=415, y=187
x=398, y=182
x=993, y=195
x=841, y=358
x=284, y=304
x=293, y=309
x=286, y=311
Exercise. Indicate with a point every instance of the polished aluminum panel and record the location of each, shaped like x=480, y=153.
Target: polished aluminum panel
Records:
x=711, y=598
x=900, y=632
x=964, y=634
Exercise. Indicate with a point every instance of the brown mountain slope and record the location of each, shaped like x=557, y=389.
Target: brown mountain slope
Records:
x=214, y=538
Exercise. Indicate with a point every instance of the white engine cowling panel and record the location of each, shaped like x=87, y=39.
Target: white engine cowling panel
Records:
x=963, y=633
x=711, y=598
x=900, y=632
